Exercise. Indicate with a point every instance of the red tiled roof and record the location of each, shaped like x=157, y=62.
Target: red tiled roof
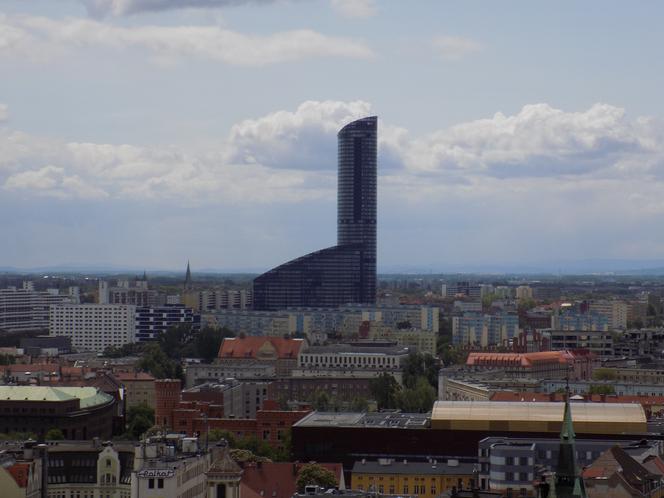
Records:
x=20, y=472
x=521, y=359
x=276, y=480
x=248, y=347
x=33, y=367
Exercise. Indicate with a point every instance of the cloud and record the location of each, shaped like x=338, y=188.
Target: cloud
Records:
x=289, y=157
x=4, y=112
x=355, y=8
x=304, y=139
x=126, y=7
x=40, y=37
x=455, y=47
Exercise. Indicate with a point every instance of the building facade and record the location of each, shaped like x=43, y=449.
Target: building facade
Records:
x=153, y=321
x=484, y=330
x=26, y=309
x=94, y=327
x=345, y=273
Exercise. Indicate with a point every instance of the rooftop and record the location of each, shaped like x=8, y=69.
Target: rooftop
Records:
x=433, y=468
x=253, y=347
x=379, y=420
x=88, y=396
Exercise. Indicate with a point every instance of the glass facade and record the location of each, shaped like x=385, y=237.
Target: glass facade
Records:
x=345, y=273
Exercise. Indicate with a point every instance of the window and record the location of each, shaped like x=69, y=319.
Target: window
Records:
x=108, y=462
x=160, y=483
x=151, y=483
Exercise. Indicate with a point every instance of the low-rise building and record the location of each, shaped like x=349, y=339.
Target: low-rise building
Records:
x=138, y=388
x=422, y=479
x=280, y=353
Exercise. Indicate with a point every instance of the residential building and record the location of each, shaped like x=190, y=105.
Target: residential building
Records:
x=524, y=292
x=484, y=330
x=89, y=469
x=423, y=479
x=467, y=289
x=595, y=341
x=26, y=309
x=423, y=341
x=151, y=322
x=135, y=293
x=79, y=412
x=614, y=310
x=216, y=299
x=575, y=320
x=94, y=327
x=345, y=273
x=260, y=323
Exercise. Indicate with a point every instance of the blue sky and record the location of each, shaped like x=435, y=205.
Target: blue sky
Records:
x=144, y=133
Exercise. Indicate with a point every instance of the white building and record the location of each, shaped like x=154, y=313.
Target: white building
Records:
x=616, y=311
x=26, y=309
x=94, y=327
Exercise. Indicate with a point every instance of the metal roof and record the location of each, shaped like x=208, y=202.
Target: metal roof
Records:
x=88, y=396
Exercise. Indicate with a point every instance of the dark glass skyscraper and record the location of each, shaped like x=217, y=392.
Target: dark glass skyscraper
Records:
x=345, y=273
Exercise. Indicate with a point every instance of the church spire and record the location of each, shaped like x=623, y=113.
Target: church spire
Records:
x=187, y=278
x=569, y=483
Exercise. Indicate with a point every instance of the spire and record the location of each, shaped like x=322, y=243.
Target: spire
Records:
x=569, y=483
x=187, y=278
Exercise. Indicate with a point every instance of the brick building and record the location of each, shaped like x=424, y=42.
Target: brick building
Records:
x=277, y=351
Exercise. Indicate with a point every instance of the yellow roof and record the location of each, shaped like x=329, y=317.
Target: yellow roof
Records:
x=538, y=416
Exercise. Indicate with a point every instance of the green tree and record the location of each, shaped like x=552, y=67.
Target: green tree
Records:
x=314, y=474
x=322, y=401
x=604, y=374
x=384, y=390
x=419, y=398
x=54, y=434
x=219, y=434
x=359, y=405
x=602, y=389
x=156, y=362
x=419, y=365
x=140, y=418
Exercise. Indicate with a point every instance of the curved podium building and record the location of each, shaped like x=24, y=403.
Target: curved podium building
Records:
x=345, y=273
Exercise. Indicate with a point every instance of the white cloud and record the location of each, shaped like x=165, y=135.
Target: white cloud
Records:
x=455, y=47
x=290, y=157
x=4, y=112
x=304, y=139
x=125, y=7
x=355, y=8
x=36, y=36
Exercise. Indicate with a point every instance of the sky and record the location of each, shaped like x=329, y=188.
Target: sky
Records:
x=145, y=133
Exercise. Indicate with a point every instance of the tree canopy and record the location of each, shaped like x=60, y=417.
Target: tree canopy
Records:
x=315, y=474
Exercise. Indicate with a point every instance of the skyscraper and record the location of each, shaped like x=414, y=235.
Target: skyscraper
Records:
x=345, y=273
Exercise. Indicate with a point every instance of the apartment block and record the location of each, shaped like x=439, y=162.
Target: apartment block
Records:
x=484, y=330
x=26, y=309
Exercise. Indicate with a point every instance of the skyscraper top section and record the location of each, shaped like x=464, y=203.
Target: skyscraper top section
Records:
x=345, y=273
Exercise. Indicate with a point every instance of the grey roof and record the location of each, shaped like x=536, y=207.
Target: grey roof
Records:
x=400, y=467
x=378, y=420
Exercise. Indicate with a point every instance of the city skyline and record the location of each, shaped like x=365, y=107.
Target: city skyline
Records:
x=118, y=136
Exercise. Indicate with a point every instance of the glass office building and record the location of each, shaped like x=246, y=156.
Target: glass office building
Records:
x=345, y=273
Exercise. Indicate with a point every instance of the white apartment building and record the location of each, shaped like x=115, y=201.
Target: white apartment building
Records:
x=26, y=309
x=94, y=327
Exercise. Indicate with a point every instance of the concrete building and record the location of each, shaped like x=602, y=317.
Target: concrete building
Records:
x=217, y=299
x=467, y=289
x=574, y=320
x=258, y=323
x=201, y=373
x=26, y=309
x=94, y=327
x=423, y=341
x=524, y=292
x=484, y=330
x=595, y=341
x=614, y=310
x=135, y=293
x=151, y=322
x=359, y=360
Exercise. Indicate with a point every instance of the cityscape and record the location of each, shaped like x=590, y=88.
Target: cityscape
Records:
x=488, y=324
